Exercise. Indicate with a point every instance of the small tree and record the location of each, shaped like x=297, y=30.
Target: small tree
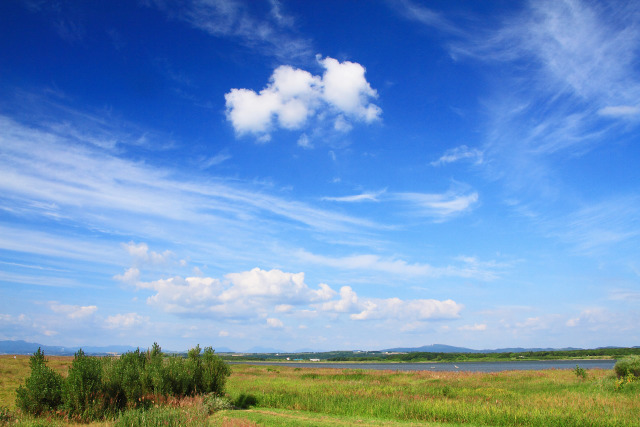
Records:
x=124, y=382
x=83, y=385
x=155, y=370
x=214, y=372
x=42, y=390
x=194, y=367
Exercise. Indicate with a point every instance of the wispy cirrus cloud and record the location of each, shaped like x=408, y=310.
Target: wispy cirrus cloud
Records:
x=620, y=111
x=583, y=48
x=272, y=34
x=467, y=267
x=356, y=198
x=582, y=57
x=438, y=206
x=459, y=153
x=599, y=226
x=41, y=171
x=416, y=12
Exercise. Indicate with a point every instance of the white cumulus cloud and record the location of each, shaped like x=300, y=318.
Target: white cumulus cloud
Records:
x=124, y=321
x=244, y=294
x=293, y=95
x=262, y=294
x=73, y=311
x=130, y=276
x=420, y=309
x=274, y=323
x=141, y=253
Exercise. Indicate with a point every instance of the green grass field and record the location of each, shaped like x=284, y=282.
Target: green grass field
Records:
x=289, y=396
x=553, y=397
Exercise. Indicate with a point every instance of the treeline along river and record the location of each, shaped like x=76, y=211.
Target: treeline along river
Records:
x=459, y=366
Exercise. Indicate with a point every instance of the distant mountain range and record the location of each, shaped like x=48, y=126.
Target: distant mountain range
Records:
x=23, y=347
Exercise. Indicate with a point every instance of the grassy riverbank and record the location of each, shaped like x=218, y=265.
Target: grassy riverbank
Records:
x=550, y=397
x=326, y=397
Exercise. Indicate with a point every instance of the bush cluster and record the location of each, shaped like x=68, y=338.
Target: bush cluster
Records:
x=628, y=367
x=97, y=387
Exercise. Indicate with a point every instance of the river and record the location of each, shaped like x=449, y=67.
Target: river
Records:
x=533, y=365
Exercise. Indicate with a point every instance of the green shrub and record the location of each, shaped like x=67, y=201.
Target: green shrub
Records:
x=628, y=366
x=83, y=385
x=580, y=372
x=155, y=371
x=176, y=378
x=97, y=387
x=214, y=372
x=113, y=395
x=194, y=368
x=42, y=390
x=214, y=403
x=126, y=382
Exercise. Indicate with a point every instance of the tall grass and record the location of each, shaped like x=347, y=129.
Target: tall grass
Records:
x=367, y=397
x=529, y=398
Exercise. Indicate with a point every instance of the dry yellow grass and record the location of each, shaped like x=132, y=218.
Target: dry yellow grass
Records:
x=15, y=369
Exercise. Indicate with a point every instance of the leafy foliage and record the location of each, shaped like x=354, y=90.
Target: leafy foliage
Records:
x=580, y=372
x=629, y=366
x=97, y=387
x=214, y=403
x=214, y=372
x=83, y=385
x=42, y=390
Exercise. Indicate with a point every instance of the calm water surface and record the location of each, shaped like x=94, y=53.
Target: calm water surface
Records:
x=461, y=366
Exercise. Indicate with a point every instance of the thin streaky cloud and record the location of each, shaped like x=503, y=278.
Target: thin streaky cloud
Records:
x=576, y=47
x=363, y=197
x=413, y=11
x=600, y=226
x=51, y=169
x=438, y=206
x=272, y=35
x=620, y=111
x=466, y=267
x=459, y=153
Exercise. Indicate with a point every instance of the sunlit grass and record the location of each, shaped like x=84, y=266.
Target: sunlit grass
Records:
x=326, y=396
x=15, y=369
x=550, y=397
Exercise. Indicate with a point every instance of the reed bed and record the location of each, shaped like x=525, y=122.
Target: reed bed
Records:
x=326, y=396
x=522, y=398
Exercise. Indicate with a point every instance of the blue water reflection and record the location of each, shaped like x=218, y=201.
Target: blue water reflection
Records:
x=460, y=366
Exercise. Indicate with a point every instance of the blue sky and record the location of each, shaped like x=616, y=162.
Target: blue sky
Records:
x=320, y=175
